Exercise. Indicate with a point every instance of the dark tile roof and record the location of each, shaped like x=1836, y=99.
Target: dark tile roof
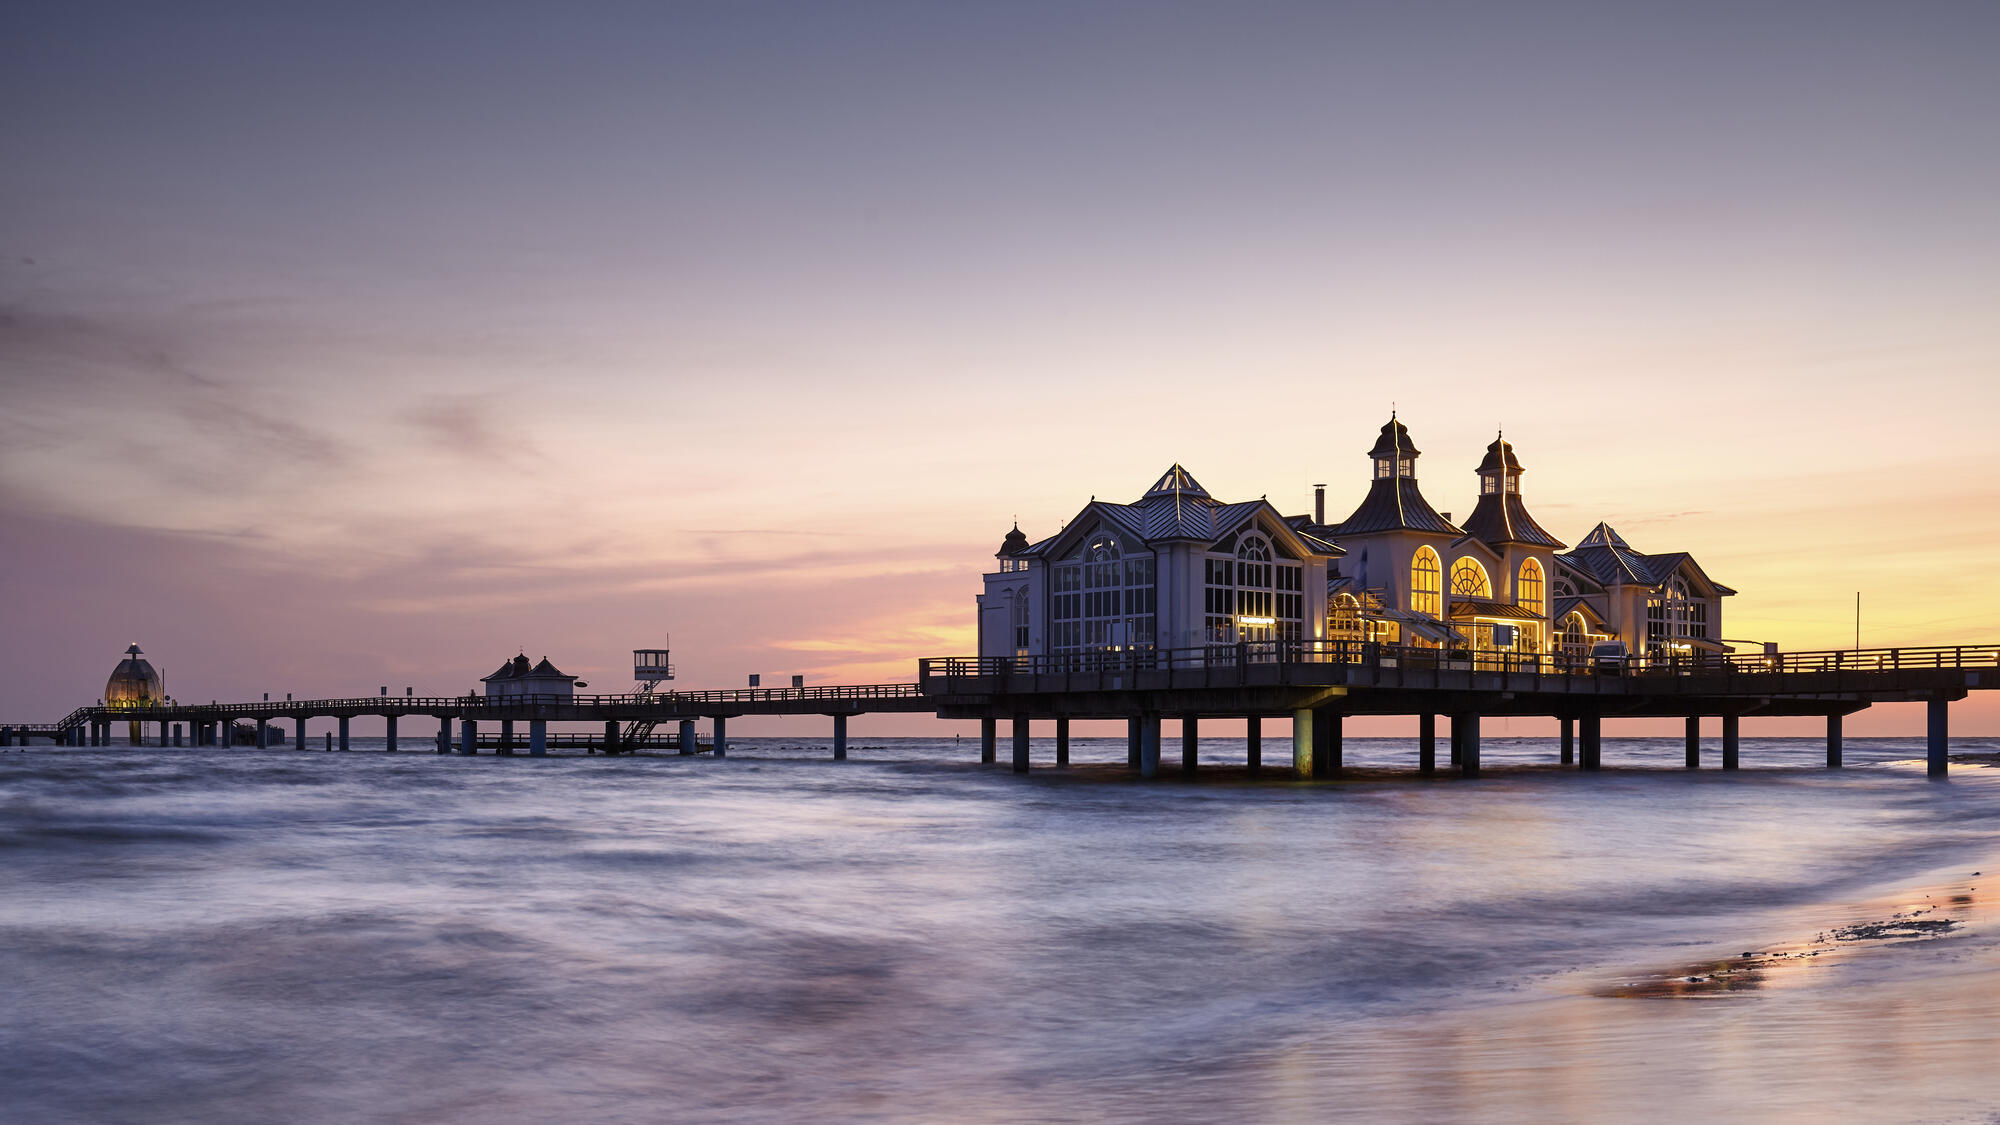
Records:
x=1483, y=607
x=1501, y=517
x=1394, y=441
x=546, y=670
x=1013, y=544
x=1500, y=457
x=1394, y=504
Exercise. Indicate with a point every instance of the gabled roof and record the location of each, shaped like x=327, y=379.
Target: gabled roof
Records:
x=518, y=669
x=1607, y=557
x=547, y=671
x=1563, y=607
x=1316, y=535
x=1475, y=541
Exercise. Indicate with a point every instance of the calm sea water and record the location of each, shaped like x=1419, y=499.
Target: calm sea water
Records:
x=283, y=935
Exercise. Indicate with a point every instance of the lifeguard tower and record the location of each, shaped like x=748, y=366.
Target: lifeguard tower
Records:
x=651, y=667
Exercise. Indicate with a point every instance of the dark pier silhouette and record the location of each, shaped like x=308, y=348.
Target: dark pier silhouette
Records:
x=1315, y=684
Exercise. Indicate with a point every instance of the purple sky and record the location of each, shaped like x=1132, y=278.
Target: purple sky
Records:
x=352, y=344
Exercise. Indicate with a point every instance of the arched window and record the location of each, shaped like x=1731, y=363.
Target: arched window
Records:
x=1573, y=641
x=1468, y=580
x=1562, y=588
x=1104, y=548
x=1424, y=583
x=1528, y=588
x=1255, y=548
x=1021, y=621
x=1344, y=622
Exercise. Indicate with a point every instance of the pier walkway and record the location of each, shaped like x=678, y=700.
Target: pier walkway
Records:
x=1315, y=684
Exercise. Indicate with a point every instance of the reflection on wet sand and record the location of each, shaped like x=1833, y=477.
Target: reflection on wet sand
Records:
x=1783, y=964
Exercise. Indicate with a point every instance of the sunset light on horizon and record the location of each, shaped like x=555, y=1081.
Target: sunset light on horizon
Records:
x=492, y=329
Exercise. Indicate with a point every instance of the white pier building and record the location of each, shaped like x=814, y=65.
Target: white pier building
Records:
x=1179, y=569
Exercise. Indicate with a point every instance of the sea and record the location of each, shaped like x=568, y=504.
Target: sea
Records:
x=240, y=935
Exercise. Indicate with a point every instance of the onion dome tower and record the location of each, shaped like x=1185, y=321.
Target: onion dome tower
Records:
x=1393, y=502
x=133, y=686
x=1013, y=544
x=1500, y=517
x=134, y=683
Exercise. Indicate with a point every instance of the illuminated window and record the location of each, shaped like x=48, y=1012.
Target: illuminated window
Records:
x=1528, y=589
x=1468, y=580
x=1573, y=641
x=1102, y=600
x=1344, y=622
x=1424, y=583
x=1675, y=613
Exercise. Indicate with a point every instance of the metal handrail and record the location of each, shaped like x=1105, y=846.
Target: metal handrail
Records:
x=1372, y=653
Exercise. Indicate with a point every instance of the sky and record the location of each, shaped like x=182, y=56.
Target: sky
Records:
x=355, y=345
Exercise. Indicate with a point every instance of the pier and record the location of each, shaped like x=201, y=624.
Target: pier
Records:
x=1314, y=684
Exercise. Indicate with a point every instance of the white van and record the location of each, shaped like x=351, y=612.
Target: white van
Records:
x=1608, y=658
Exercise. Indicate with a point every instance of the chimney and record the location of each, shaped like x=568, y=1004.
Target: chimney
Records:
x=1319, y=504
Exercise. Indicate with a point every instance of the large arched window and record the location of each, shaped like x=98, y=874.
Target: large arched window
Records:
x=1528, y=589
x=1255, y=548
x=1344, y=622
x=1021, y=621
x=1424, y=583
x=1468, y=580
x=1573, y=641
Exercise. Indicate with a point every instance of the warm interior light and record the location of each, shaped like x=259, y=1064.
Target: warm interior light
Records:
x=1257, y=620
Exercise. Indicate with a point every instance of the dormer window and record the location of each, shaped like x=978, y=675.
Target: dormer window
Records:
x=1386, y=467
x=1488, y=486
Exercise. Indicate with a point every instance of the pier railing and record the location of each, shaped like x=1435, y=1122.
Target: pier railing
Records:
x=1209, y=657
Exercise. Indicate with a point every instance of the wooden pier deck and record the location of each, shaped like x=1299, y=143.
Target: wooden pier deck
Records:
x=1315, y=684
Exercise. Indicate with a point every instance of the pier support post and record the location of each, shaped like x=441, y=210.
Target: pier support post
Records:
x=506, y=738
x=1694, y=742
x=389, y=735
x=1568, y=741
x=840, y=738
x=1062, y=742
x=1190, y=745
x=611, y=736
x=1326, y=741
x=1021, y=743
x=343, y=733
x=1833, y=742
x=163, y=732
x=721, y=736
x=444, y=734
x=299, y=732
x=263, y=733
x=1149, y=745
x=177, y=732
x=538, y=738
x=468, y=737
x=1253, y=742
x=1937, y=737
x=688, y=742
x=1468, y=744
x=1731, y=725
x=989, y=741
x=1134, y=736
x=1591, y=734
x=1302, y=743
x=1427, y=743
